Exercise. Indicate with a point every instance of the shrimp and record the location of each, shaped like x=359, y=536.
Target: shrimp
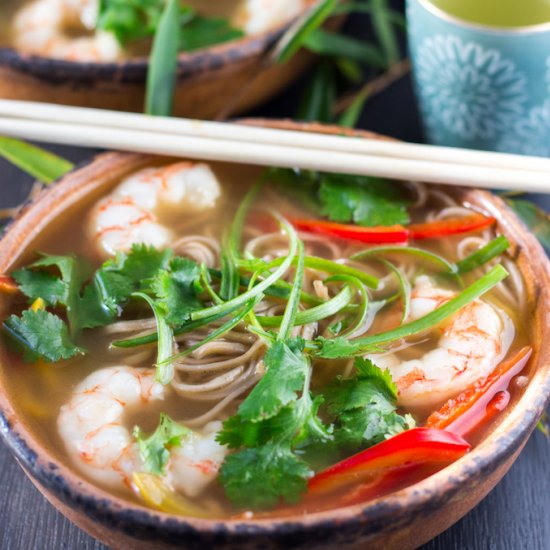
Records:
x=45, y=27
x=470, y=347
x=92, y=428
x=259, y=16
x=143, y=205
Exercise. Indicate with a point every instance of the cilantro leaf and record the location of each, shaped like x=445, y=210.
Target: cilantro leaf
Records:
x=176, y=289
x=364, y=201
x=286, y=370
x=364, y=407
x=132, y=20
x=40, y=284
x=270, y=424
x=155, y=449
x=36, y=281
x=42, y=335
x=200, y=32
x=125, y=274
x=261, y=477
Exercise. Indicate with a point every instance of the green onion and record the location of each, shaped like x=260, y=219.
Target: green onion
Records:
x=291, y=310
x=165, y=367
x=205, y=279
x=314, y=314
x=364, y=308
x=327, y=266
x=219, y=332
x=340, y=347
x=260, y=287
x=337, y=45
x=187, y=327
x=37, y=162
x=404, y=288
x=280, y=289
x=163, y=63
x=293, y=39
x=410, y=250
x=485, y=254
x=383, y=28
x=231, y=249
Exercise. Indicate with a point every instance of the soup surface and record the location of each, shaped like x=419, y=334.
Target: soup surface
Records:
x=90, y=31
x=213, y=346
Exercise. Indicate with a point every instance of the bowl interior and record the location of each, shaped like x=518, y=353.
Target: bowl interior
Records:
x=490, y=456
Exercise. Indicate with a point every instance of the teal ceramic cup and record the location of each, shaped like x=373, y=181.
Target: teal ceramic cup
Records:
x=480, y=87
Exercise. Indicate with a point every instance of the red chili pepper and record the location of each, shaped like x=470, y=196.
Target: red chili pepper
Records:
x=372, y=235
x=417, y=446
x=482, y=400
x=396, y=233
x=453, y=226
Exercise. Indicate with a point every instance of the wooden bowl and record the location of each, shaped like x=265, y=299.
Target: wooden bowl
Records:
x=206, y=78
x=403, y=520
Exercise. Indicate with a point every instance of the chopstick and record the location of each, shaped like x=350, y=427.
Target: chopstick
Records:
x=233, y=142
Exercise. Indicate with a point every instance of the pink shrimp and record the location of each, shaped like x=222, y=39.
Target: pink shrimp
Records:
x=92, y=427
x=471, y=345
x=44, y=27
x=142, y=206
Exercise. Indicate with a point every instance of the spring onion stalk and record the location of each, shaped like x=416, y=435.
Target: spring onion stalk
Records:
x=294, y=38
x=219, y=332
x=39, y=163
x=280, y=289
x=230, y=276
x=205, y=280
x=165, y=367
x=361, y=316
x=291, y=310
x=485, y=254
x=161, y=76
x=187, y=327
x=260, y=287
x=435, y=259
x=314, y=314
x=404, y=287
x=327, y=266
x=341, y=347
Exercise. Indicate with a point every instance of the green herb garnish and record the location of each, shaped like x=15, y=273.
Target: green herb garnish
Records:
x=155, y=449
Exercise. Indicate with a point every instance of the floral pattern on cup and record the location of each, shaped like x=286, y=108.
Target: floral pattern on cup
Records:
x=470, y=90
x=530, y=135
x=480, y=87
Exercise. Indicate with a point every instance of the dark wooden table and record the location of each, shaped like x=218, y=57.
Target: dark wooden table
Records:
x=515, y=516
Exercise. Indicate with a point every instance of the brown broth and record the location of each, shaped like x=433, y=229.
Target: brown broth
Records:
x=42, y=389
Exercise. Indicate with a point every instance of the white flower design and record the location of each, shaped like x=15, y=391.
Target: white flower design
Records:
x=471, y=91
x=531, y=136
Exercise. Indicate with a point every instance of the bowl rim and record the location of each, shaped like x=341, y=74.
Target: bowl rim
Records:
x=134, y=70
x=397, y=509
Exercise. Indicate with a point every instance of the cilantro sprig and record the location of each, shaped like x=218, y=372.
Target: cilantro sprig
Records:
x=363, y=200
x=364, y=408
x=155, y=449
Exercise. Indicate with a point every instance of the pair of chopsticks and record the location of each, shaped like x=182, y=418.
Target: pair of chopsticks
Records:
x=239, y=143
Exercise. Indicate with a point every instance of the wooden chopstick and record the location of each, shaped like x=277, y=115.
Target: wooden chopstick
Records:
x=245, y=133
x=232, y=142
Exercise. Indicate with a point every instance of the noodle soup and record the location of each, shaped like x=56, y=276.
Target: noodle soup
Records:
x=93, y=31
x=256, y=348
